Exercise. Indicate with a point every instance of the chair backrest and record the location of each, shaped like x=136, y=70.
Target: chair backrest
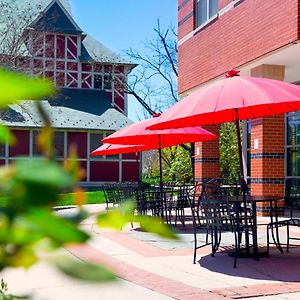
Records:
x=215, y=207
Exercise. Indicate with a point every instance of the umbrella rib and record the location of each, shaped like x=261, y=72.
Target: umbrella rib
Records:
x=217, y=102
x=288, y=105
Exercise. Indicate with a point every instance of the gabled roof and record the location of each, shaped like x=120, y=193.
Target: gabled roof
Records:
x=37, y=6
x=81, y=109
x=55, y=18
x=93, y=50
x=41, y=12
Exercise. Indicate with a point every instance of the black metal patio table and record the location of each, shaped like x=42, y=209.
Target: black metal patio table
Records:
x=252, y=201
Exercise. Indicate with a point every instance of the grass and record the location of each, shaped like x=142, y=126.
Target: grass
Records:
x=68, y=199
x=91, y=198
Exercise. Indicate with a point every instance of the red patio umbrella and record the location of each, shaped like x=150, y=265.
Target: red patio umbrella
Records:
x=113, y=149
x=158, y=139
x=233, y=98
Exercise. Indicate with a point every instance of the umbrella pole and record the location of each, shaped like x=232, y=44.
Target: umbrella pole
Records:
x=238, y=133
x=137, y=155
x=242, y=179
x=160, y=173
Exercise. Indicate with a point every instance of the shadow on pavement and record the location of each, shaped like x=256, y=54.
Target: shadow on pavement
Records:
x=283, y=267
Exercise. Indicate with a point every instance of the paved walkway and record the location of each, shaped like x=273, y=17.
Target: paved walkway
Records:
x=153, y=268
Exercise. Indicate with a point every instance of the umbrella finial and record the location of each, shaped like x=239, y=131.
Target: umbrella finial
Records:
x=232, y=73
x=156, y=115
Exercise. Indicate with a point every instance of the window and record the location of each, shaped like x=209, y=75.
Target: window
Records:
x=98, y=81
x=95, y=141
x=205, y=9
x=107, y=82
x=293, y=154
x=59, y=144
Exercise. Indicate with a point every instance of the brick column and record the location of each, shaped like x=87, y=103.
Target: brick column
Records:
x=207, y=157
x=267, y=147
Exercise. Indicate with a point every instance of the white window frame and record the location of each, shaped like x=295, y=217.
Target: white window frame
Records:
x=208, y=17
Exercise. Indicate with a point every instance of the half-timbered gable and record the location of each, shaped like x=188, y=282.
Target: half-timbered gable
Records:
x=92, y=102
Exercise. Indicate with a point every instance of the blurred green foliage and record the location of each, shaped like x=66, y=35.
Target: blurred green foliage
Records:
x=229, y=157
x=176, y=164
x=32, y=186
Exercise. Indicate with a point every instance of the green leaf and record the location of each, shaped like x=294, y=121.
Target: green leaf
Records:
x=22, y=257
x=157, y=226
x=84, y=271
x=16, y=87
x=42, y=172
x=6, y=136
x=56, y=228
x=119, y=217
x=77, y=217
x=114, y=219
x=127, y=207
x=23, y=232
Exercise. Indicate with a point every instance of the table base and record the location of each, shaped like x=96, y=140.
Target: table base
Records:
x=249, y=253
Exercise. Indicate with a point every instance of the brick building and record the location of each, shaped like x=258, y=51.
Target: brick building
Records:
x=91, y=103
x=260, y=38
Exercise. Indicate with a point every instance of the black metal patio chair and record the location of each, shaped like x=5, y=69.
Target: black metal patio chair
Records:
x=220, y=214
x=293, y=203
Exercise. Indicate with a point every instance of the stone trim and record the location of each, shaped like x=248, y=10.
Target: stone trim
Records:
x=267, y=155
x=185, y=18
x=201, y=180
x=265, y=210
x=238, y=3
x=207, y=160
x=266, y=180
x=183, y=4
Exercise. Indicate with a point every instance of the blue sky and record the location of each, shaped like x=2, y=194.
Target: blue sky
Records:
x=122, y=24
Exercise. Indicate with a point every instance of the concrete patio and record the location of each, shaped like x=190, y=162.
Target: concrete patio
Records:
x=153, y=268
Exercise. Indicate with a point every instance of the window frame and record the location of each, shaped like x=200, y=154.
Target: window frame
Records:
x=209, y=17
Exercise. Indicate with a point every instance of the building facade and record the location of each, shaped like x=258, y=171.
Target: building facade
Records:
x=260, y=38
x=91, y=102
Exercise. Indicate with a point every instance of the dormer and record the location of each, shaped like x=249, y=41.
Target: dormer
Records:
x=55, y=18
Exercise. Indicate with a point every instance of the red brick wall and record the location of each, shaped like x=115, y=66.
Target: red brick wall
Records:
x=183, y=12
x=249, y=30
x=223, y=3
x=207, y=162
x=267, y=163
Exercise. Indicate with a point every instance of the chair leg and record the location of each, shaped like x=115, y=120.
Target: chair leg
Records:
x=216, y=240
x=212, y=243
x=195, y=247
x=182, y=217
x=287, y=238
x=236, y=247
x=206, y=239
x=276, y=240
x=268, y=242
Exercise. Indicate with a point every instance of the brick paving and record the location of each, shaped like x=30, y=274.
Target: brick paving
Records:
x=166, y=286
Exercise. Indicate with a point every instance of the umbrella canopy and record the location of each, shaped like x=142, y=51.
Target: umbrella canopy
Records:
x=138, y=134
x=158, y=139
x=234, y=97
x=113, y=149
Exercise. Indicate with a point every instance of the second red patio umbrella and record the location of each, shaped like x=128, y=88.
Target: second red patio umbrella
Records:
x=158, y=139
x=113, y=149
